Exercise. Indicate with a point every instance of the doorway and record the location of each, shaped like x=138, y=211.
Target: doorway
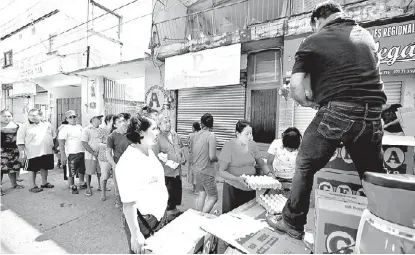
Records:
x=264, y=105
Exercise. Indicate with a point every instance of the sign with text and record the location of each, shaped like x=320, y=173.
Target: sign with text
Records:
x=396, y=47
x=208, y=68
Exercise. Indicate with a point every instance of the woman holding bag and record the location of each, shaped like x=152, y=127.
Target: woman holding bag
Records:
x=141, y=184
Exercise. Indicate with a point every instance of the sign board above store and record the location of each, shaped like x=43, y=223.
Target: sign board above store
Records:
x=23, y=88
x=395, y=42
x=396, y=46
x=208, y=68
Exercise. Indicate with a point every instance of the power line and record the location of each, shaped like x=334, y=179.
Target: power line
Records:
x=33, y=6
x=138, y=17
x=72, y=28
x=8, y=5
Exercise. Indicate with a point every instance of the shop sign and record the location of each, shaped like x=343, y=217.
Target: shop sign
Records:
x=157, y=98
x=49, y=67
x=23, y=88
x=396, y=47
x=208, y=68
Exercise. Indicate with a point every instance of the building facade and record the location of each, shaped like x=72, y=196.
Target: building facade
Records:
x=43, y=51
x=188, y=38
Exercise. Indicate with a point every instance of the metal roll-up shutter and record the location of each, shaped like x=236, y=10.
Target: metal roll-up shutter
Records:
x=41, y=98
x=393, y=91
x=19, y=109
x=303, y=117
x=226, y=104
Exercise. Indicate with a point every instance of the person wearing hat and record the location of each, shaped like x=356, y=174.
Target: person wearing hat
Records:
x=91, y=142
x=72, y=151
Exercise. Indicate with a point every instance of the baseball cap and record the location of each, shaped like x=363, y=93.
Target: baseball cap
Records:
x=70, y=113
x=97, y=117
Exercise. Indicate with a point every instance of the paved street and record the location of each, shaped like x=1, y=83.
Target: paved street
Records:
x=55, y=221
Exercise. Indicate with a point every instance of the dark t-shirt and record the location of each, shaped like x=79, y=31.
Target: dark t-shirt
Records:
x=118, y=143
x=342, y=62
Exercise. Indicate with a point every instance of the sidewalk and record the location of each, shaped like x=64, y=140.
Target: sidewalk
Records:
x=55, y=221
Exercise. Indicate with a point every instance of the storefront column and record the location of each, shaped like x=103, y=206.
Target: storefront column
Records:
x=92, y=98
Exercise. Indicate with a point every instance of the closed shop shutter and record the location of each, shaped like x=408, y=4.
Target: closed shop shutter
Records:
x=41, y=98
x=304, y=115
x=226, y=104
x=19, y=109
x=393, y=91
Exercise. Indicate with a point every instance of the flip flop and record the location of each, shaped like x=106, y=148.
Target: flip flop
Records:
x=88, y=192
x=19, y=180
x=108, y=189
x=18, y=187
x=47, y=186
x=35, y=189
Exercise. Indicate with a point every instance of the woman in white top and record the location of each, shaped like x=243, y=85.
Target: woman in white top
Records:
x=141, y=184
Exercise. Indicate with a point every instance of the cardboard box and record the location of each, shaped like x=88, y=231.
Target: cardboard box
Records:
x=336, y=222
x=398, y=156
x=338, y=181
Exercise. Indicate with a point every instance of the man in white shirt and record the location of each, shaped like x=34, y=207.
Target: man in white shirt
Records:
x=72, y=151
x=91, y=142
x=35, y=142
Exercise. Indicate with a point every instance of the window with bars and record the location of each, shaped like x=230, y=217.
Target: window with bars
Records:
x=264, y=66
x=8, y=59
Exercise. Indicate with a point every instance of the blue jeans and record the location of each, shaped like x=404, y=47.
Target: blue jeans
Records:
x=360, y=130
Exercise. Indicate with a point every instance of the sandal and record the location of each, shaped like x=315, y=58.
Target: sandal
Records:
x=35, y=189
x=88, y=192
x=19, y=180
x=83, y=186
x=47, y=186
x=108, y=189
x=18, y=186
x=2, y=193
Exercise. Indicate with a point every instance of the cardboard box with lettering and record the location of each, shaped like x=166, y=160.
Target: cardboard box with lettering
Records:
x=398, y=156
x=336, y=223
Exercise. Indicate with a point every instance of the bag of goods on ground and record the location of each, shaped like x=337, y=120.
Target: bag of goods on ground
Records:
x=378, y=236
x=261, y=182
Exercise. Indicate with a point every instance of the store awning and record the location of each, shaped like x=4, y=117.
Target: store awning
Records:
x=130, y=69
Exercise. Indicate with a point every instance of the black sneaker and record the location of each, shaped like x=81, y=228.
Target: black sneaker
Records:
x=277, y=222
x=74, y=189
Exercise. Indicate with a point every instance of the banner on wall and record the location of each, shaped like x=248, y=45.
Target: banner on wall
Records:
x=208, y=68
x=395, y=42
x=396, y=46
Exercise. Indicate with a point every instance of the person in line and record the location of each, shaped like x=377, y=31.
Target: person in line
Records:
x=140, y=177
x=117, y=143
x=35, y=142
x=10, y=163
x=72, y=151
x=104, y=165
x=58, y=152
x=190, y=172
x=282, y=154
x=203, y=159
x=169, y=150
x=238, y=157
x=342, y=60
x=90, y=141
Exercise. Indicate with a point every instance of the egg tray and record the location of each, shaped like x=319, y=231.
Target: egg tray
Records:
x=273, y=203
x=262, y=182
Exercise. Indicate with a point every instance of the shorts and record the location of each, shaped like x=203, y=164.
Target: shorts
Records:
x=206, y=183
x=76, y=164
x=92, y=167
x=45, y=162
x=174, y=187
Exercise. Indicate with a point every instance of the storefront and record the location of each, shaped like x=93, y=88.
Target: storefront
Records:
x=207, y=82
x=397, y=53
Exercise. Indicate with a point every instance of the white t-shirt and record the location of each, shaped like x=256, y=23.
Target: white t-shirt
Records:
x=37, y=139
x=72, y=135
x=284, y=161
x=140, y=179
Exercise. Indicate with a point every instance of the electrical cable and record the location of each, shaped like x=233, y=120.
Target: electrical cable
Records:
x=128, y=21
